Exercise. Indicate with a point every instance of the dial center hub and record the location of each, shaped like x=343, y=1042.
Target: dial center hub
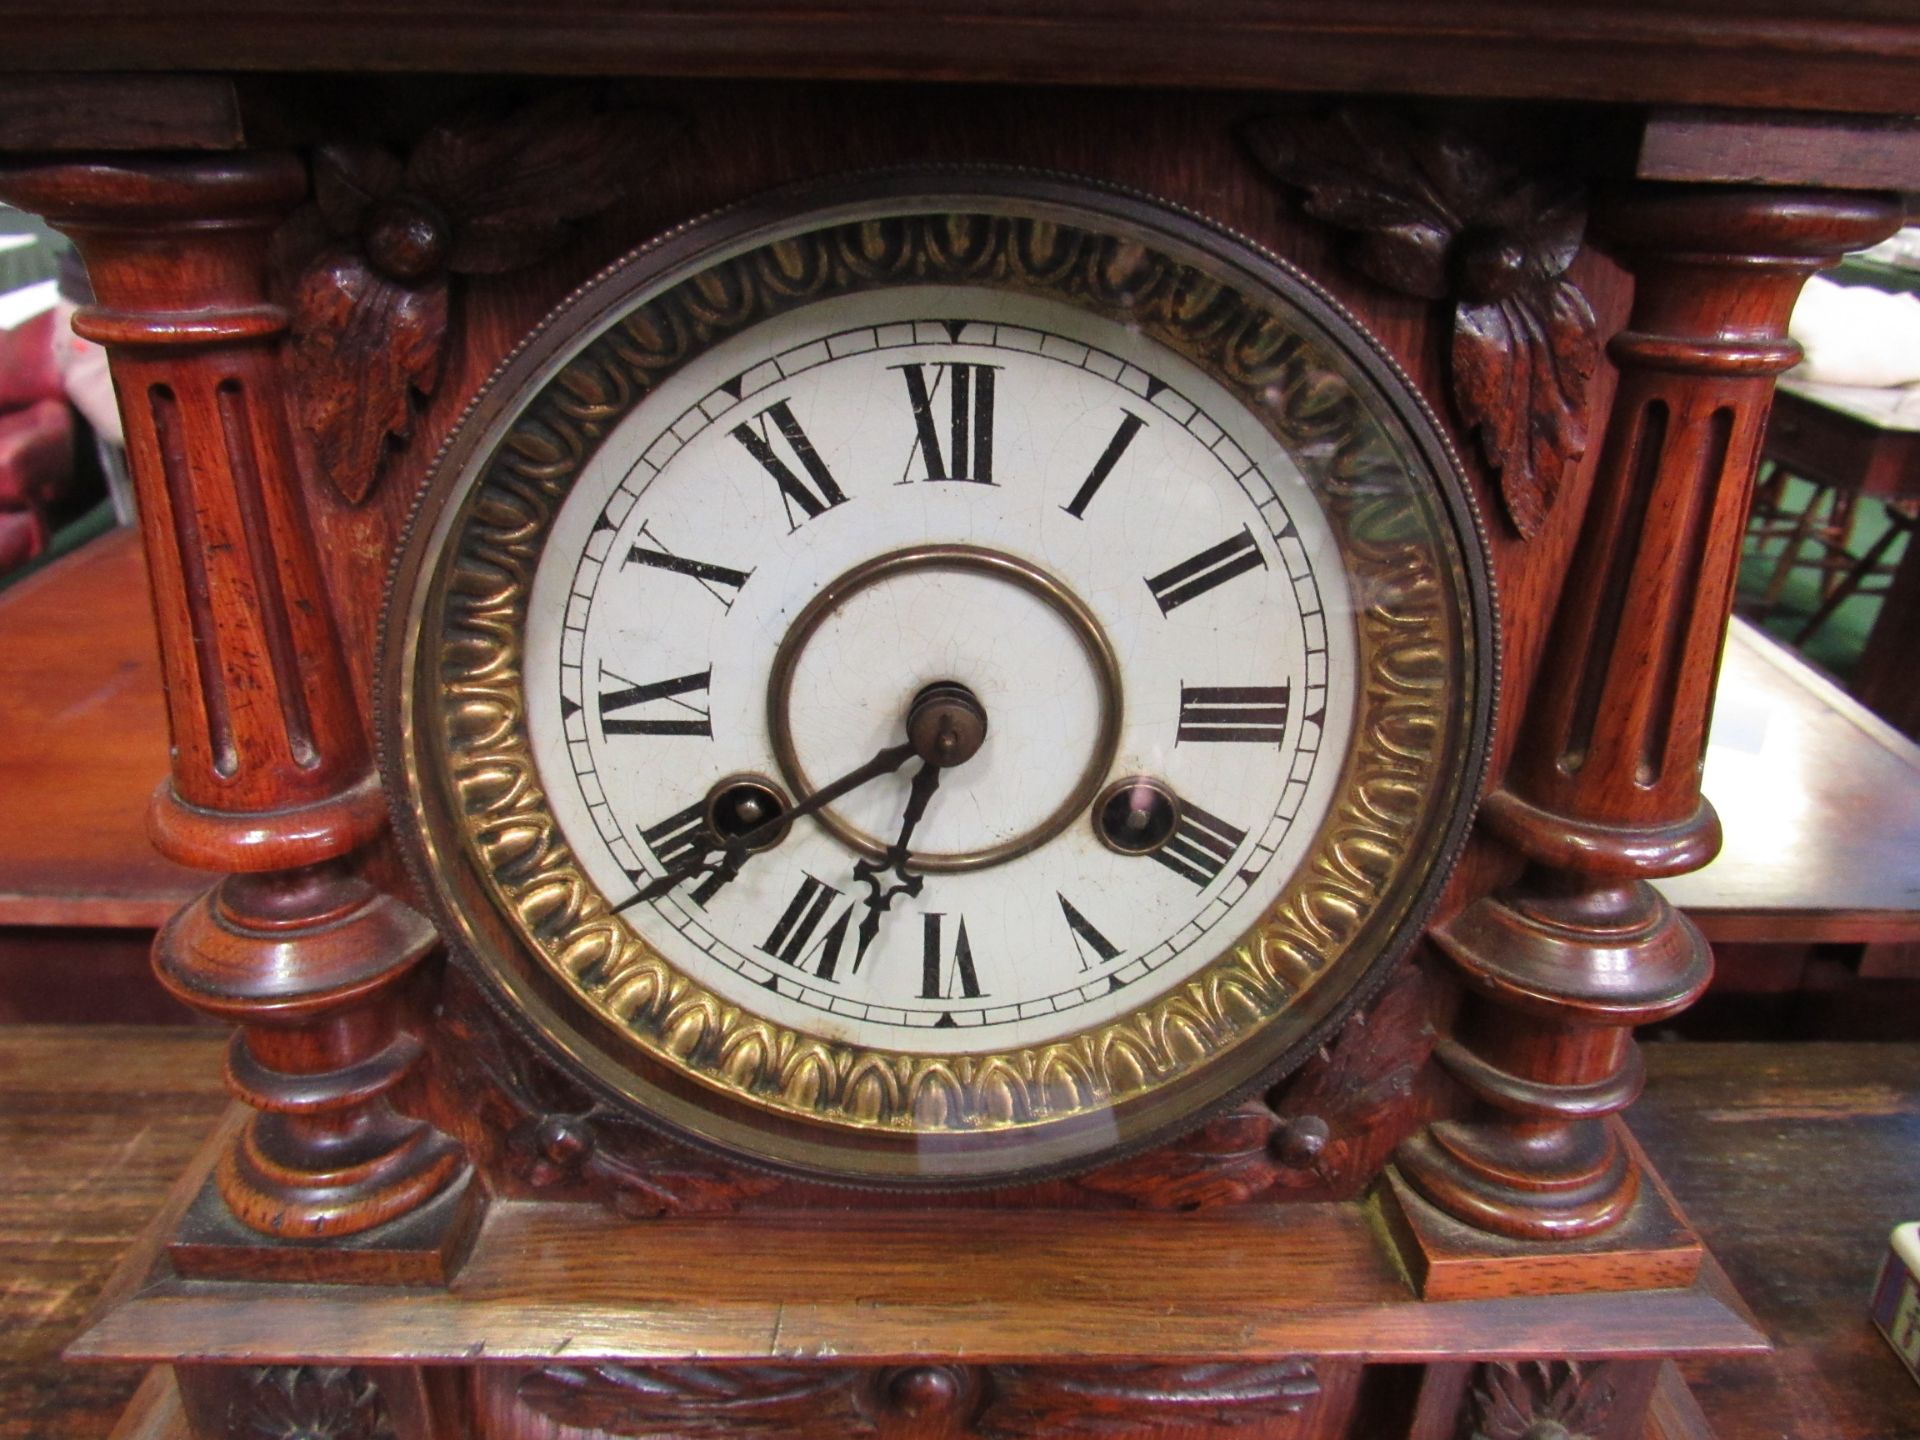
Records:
x=969, y=632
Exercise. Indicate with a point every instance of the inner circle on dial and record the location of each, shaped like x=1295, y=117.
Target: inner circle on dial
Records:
x=1025, y=644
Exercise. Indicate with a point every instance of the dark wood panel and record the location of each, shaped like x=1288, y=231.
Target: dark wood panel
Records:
x=1846, y=55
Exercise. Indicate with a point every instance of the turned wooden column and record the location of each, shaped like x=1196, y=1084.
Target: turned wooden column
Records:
x=272, y=782
x=1604, y=791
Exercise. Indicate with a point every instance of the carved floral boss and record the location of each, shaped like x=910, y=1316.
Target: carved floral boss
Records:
x=1433, y=216
x=370, y=262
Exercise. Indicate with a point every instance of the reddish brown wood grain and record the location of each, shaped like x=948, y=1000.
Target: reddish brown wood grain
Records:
x=271, y=774
x=86, y=729
x=1605, y=788
x=1847, y=55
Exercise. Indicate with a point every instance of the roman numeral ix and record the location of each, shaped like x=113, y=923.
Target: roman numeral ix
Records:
x=815, y=499
x=969, y=452
x=1212, y=567
x=1255, y=714
x=676, y=716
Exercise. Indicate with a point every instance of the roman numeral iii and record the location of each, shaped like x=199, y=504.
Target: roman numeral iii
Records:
x=969, y=441
x=664, y=706
x=815, y=495
x=1211, y=568
x=1252, y=714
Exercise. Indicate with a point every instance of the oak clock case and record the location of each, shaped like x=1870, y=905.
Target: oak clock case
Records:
x=938, y=680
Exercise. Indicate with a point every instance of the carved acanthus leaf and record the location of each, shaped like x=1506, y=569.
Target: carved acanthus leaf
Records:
x=1541, y=1400
x=559, y=1137
x=1039, y=1402
x=701, y=1402
x=1001, y=1402
x=1224, y=1162
x=308, y=1402
x=1434, y=216
x=1328, y=1129
x=371, y=260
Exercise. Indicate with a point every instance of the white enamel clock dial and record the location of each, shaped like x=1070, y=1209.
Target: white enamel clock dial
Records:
x=1090, y=535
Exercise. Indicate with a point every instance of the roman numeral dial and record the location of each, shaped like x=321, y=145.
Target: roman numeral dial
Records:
x=816, y=529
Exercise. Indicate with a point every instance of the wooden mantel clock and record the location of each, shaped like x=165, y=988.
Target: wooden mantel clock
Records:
x=962, y=740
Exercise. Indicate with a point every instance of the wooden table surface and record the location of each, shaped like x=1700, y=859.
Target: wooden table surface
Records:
x=1820, y=801
x=86, y=742
x=1794, y=1161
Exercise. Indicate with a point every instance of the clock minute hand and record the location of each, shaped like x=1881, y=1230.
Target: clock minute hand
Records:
x=729, y=857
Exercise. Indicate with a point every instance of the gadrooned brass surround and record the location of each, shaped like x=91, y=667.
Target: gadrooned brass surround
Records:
x=976, y=560
x=590, y=991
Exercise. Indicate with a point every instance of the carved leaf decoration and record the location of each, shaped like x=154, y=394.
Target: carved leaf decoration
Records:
x=347, y=179
x=701, y=1402
x=1521, y=374
x=362, y=346
x=1541, y=1397
x=1224, y=1162
x=308, y=1402
x=1361, y=1085
x=1041, y=1402
x=512, y=185
x=1434, y=216
x=488, y=192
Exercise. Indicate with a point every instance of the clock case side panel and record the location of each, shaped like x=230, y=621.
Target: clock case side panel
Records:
x=1362, y=1092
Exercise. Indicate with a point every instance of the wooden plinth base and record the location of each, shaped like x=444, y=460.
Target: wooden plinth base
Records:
x=563, y=1309
x=425, y=1248
x=1653, y=1248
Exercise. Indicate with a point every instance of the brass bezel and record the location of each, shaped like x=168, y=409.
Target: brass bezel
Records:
x=587, y=990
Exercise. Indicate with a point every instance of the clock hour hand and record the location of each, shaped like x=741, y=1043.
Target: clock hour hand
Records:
x=946, y=727
x=725, y=860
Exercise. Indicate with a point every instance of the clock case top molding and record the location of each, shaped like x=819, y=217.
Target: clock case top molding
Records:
x=1450, y=1153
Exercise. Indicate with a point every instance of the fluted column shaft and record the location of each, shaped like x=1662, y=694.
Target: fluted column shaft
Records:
x=1604, y=791
x=272, y=783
